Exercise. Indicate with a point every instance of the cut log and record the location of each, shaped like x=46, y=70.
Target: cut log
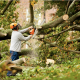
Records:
x=58, y=21
x=65, y=17
x=50, y=61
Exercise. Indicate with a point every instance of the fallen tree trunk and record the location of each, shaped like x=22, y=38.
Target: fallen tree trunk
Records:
x=11, y=65
x=54, y=23
x=59, y=21
x=2, y=34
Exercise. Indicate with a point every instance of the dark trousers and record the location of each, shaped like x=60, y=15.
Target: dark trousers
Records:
x=14, y=56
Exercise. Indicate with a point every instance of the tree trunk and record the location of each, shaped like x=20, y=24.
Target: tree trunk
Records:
x=31, y=12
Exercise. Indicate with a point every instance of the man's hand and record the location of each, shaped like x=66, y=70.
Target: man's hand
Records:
x=30, y=27
x=30, y=36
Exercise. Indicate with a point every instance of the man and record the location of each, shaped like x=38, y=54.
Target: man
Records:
x=16, y=39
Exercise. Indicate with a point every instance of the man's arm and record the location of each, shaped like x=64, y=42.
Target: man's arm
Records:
x=25, y=30
x=22, y=38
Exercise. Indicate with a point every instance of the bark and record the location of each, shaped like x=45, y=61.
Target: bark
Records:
x=7, y=5
x=2, y=34
x=6, y=35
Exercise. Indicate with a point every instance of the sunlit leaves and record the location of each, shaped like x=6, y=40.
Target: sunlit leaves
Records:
x=33, y=2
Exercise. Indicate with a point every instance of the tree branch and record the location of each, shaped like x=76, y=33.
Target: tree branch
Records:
x=7, y=5
x=54, y=45
x=76, y=27
x=67, y=7
x=72, y=4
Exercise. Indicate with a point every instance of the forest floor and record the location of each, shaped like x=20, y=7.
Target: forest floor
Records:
x=33, y=69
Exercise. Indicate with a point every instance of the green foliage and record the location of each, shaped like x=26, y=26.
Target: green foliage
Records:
x=4, y=46
x=61, y=6
x=9, y=16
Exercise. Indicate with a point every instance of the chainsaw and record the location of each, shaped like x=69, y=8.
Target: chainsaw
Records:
x=33, y=31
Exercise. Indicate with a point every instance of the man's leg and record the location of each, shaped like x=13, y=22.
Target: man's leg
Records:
x=14, y=56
